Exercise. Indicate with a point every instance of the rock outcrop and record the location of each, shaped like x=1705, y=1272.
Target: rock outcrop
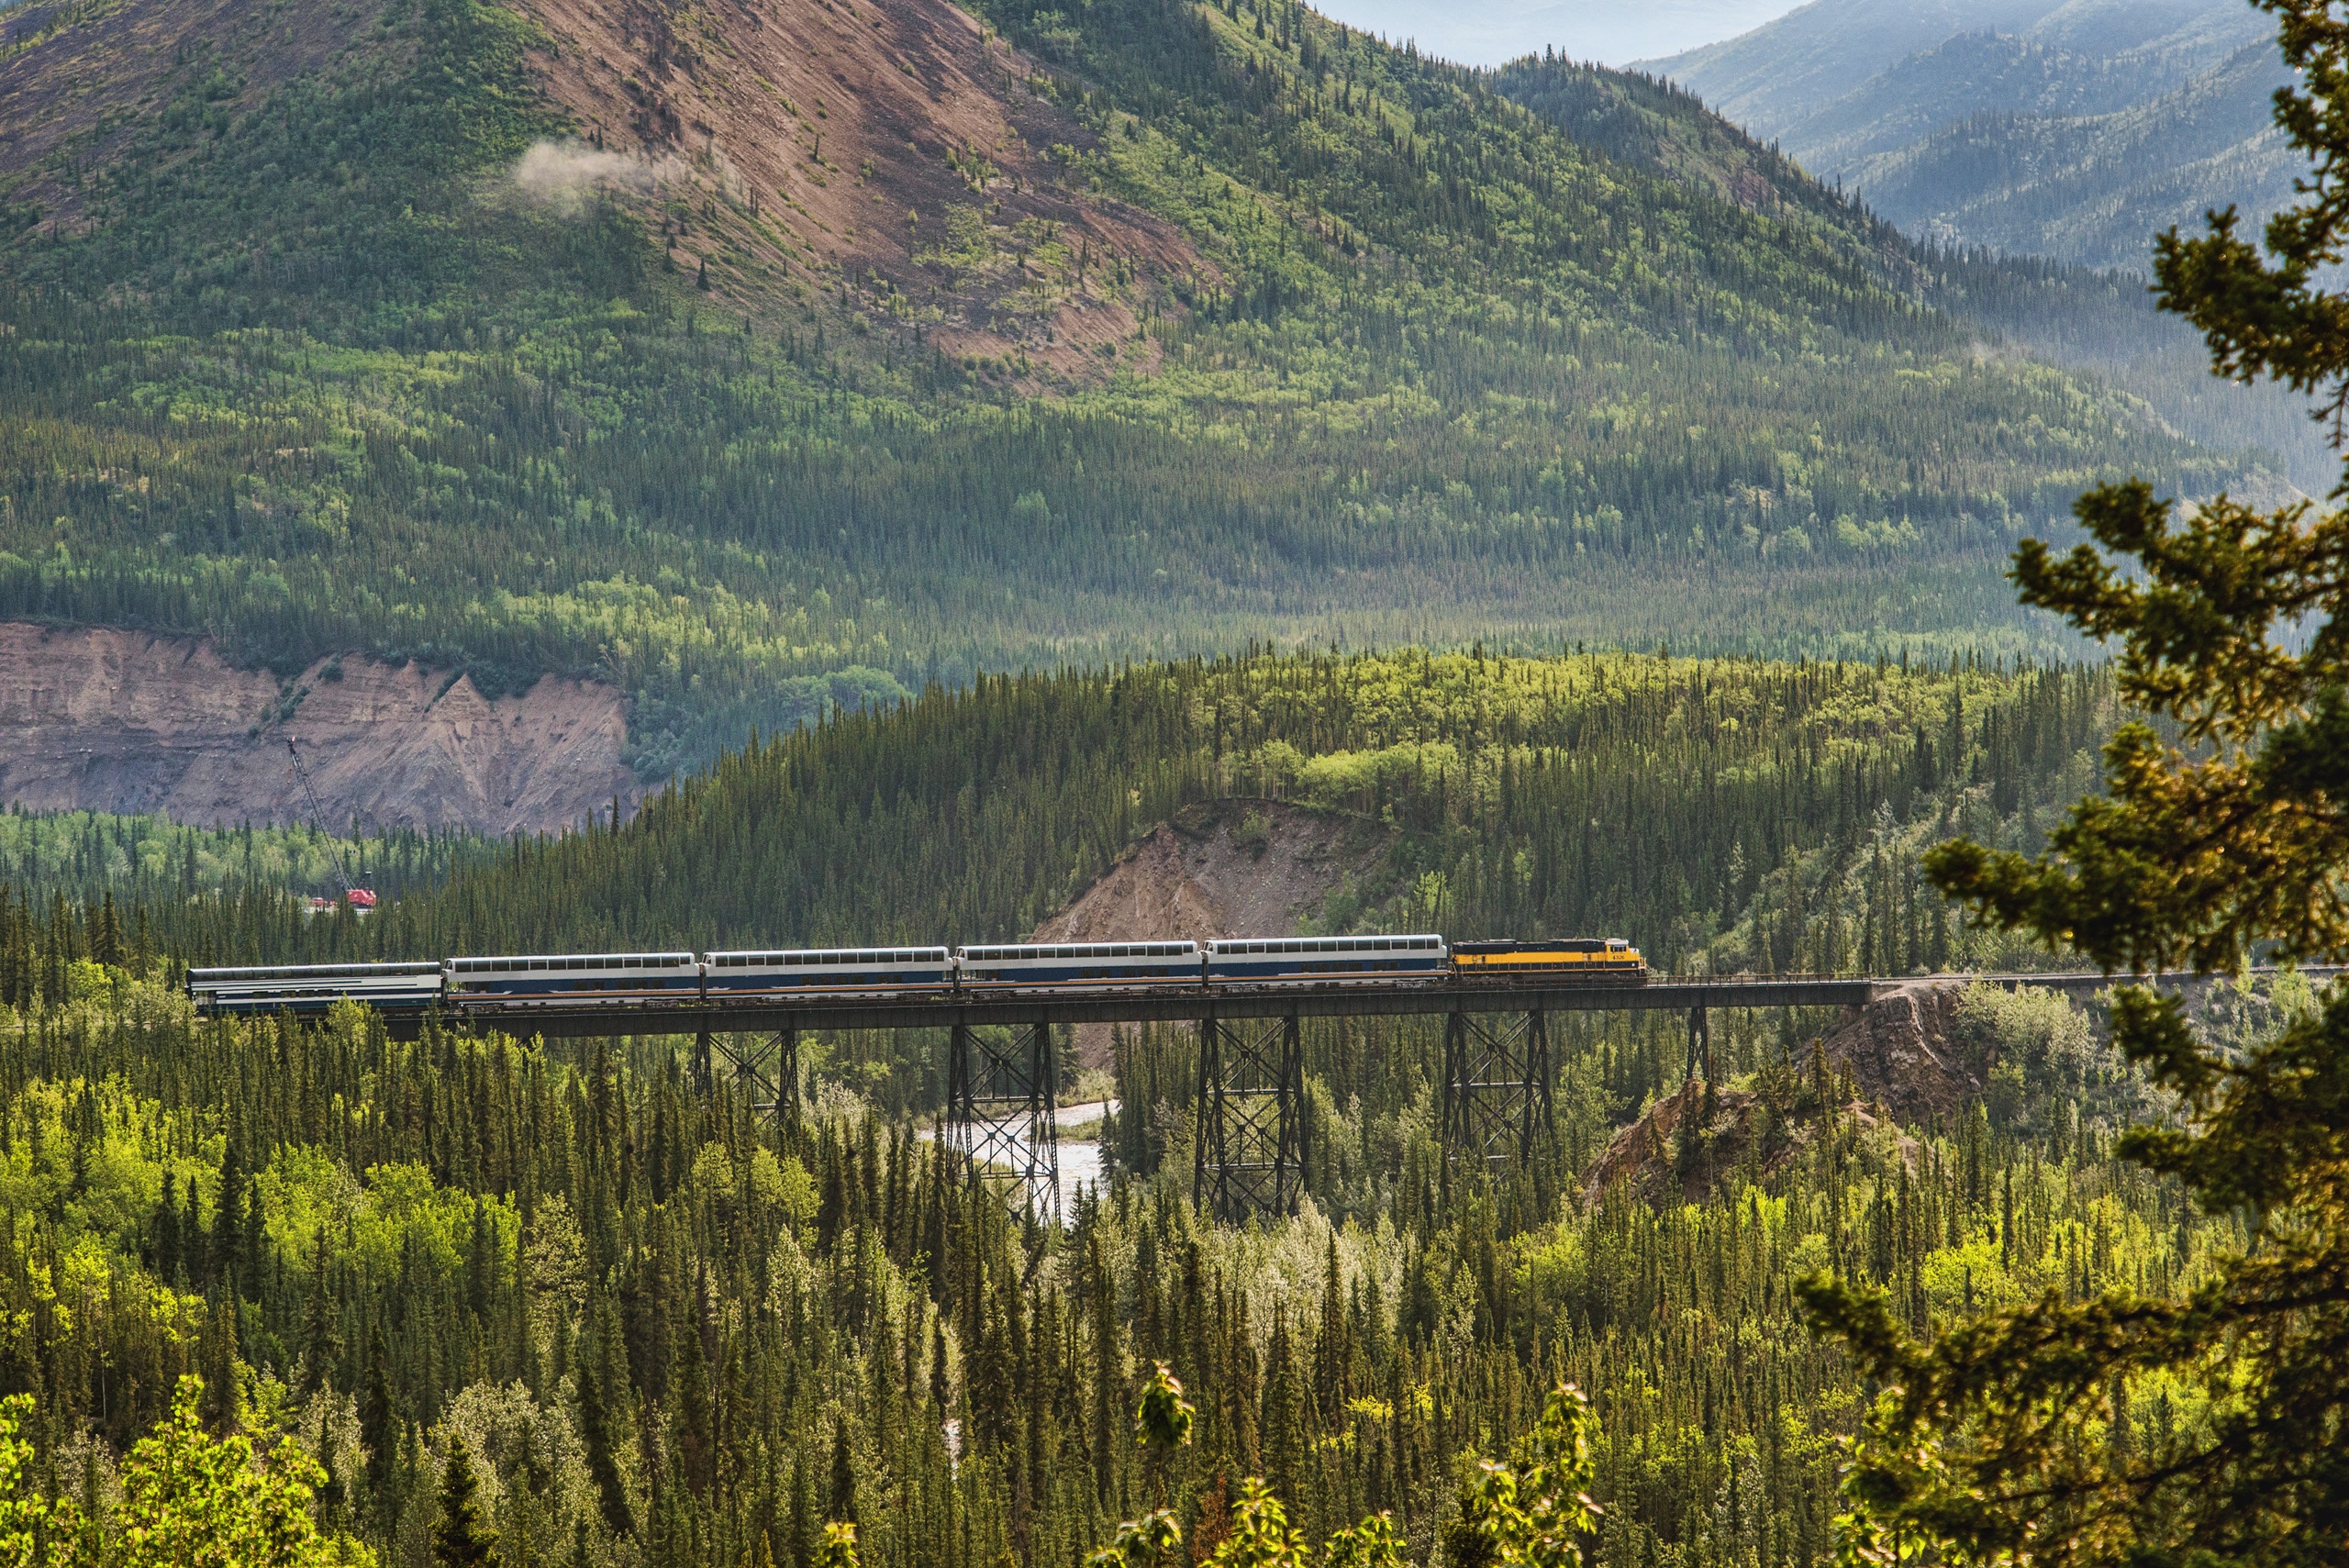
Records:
x=1904, y=1051
x=1898, y=1061
x=126, y=721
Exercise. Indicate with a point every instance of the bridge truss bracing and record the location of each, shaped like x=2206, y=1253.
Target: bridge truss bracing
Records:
x=765, y=1065
x=1001, y=1091
x=1495, y=1086
x=1250, y=1150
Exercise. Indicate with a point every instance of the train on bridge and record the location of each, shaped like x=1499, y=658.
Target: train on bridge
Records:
x=489, y=986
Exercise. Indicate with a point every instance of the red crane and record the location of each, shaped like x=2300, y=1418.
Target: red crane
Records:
x=362, y=898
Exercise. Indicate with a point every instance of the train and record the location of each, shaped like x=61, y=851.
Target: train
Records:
x=757, y=976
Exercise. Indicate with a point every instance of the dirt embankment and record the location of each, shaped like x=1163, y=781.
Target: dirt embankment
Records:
x=125, y=721
x=1235, y=868
x=1647, y=1155
x=1905, y=1052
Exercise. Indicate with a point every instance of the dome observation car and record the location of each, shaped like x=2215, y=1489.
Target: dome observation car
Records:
x=754, y=974
x=1033, y=965
x=576, y=980
x=1326, y=960
x=314, y=987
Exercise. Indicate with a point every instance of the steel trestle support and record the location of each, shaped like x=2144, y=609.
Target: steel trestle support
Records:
x=1250, y=1148
x=767, y=1072
x=1495, y=1086
x=1001, y=1120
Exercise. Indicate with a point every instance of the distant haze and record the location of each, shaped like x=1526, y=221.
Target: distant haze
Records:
x=1614, y=32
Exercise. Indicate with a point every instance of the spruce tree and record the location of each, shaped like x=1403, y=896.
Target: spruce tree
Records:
x=461, y=1538
x=2011, y=1438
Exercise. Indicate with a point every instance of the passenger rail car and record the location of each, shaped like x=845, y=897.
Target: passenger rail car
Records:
x=742, y=976
x=314, y=987
x=557, y=981
x=1609, y=961
x=1037, y=965
x=1327, y=960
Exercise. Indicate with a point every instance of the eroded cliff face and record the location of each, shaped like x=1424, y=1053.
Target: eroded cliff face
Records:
x=125, y=721
x=1232, y=868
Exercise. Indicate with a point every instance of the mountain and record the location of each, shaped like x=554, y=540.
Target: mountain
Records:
x=2075, y=131
x=1491, y=32
x=2094, y=188
x=2100, y=321
x=738, y=355
x=1803, y=62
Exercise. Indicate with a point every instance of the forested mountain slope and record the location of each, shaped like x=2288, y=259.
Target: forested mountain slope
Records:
x=2093, y=188
x=1175, y=326
x=2100, y=319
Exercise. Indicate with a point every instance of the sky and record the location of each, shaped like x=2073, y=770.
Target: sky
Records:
x=1614, y=32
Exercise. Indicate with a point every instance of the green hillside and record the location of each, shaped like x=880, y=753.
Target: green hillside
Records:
x=287, y=364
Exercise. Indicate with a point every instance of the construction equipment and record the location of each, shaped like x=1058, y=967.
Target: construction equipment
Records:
x=362, y=898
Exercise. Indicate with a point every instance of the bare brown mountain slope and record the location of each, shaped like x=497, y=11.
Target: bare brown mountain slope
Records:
x=82, y=80
x=894, y=151
x=889, y=160
x=126, y=721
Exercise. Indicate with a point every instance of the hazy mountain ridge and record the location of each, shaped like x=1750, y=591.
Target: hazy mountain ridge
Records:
x=2096, y=188
x=2075, y=131
x=2102, y=322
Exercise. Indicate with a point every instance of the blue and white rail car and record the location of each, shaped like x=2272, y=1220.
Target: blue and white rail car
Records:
x=314, y=987
x=581, y=980
x=826, y=971
x=1327, y=960
x=1038, y=966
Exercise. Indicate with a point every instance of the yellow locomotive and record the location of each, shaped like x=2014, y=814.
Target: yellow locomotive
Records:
x=1609, y=961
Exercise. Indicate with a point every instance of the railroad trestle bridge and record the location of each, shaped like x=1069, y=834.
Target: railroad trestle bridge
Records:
x=1248, y=1148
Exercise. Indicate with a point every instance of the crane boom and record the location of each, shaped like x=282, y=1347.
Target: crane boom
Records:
x=361, y=897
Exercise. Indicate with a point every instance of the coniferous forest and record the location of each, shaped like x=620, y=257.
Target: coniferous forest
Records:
x=661, y=1327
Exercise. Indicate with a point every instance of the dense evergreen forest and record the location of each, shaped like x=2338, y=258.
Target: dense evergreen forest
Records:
x=662, y=1329
x=1442, y=371
x=663, y=1332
